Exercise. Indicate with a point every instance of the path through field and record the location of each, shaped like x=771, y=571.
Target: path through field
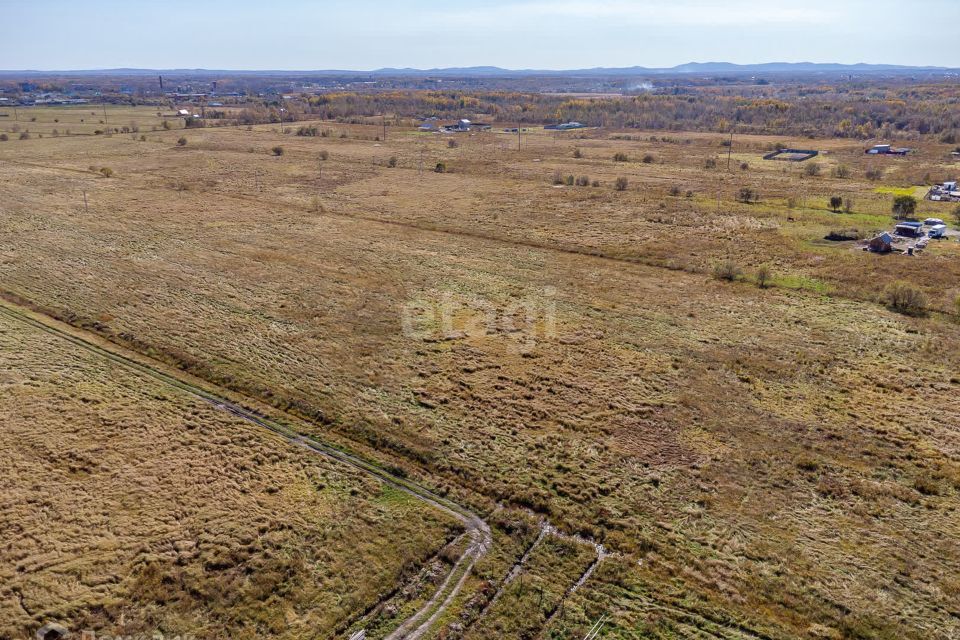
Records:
x=420, y=622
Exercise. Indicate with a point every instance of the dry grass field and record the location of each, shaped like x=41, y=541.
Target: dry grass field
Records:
x=764, y=463
x=130, y=508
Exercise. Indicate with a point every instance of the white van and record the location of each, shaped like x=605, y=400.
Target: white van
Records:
x=937, y=230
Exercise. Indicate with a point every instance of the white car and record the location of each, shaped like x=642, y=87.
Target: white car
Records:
x=931, y=222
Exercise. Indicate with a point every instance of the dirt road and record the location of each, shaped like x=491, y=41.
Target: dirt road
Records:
x=418, y=624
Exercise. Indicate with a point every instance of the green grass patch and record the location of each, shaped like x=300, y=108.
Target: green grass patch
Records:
x=796, y=281
x=918, y=192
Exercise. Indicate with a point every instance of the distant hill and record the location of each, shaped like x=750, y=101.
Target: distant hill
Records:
x=709, y=68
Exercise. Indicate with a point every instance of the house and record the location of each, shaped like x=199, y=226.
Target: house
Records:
x=909, y=229
x=883, y=243
x=887, y=150
x=465, y=125
x=183, y=112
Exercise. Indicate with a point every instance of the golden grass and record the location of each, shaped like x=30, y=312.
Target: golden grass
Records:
x=129, y=508
x=779, y=458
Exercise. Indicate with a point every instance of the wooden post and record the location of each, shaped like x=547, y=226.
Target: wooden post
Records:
x=729, y=150
x=85, y=208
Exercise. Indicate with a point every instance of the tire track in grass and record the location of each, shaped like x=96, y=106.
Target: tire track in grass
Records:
x=420, y=622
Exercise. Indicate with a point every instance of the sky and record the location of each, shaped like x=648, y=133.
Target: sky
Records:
x=523, y=34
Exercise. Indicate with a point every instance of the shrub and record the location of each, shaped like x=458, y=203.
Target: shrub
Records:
x=727, y=270
x=842, y=235
x=710, y=163
x=841, y=171
x=25, y=136
x=620, y=184
x=143, y=138
x=648, y=159
x=956, y=215
x=811, y=170
x=675, y=191
x=277, y=151
x=107, y=172
x=4, y=137
x=764, y=276
x=392, y=162
x=440, y=168
x=747, y=195
x=620, y=157
x=577, y=153
x=848, y=205
x=835, y=203
x=308, y=131
x=583, y=181
x=182, y=142
x=166, y=124
x=595, y=183
x=874, y=174
x=744, y=166
x=452, y=144
x=904, y=206
x=905, y=298
x=557, y=177
x=569, y=181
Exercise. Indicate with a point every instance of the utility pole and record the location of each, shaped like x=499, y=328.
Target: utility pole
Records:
x=384, y=117
x=420, y=166
x=730, y=150
x=85, y=208
x=103, y=103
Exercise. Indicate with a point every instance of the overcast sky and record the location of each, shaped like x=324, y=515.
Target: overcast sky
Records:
x=558, y=34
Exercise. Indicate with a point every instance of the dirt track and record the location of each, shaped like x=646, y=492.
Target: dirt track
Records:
x=420, y=622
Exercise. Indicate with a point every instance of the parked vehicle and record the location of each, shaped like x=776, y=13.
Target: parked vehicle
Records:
x=931, y=222
x=937, y=230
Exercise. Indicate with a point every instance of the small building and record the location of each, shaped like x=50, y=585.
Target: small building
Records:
x=883, y=243
x=183, y=112
x=887, y=150
x=909, y=229
x=950, y=186
x=566, y=126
